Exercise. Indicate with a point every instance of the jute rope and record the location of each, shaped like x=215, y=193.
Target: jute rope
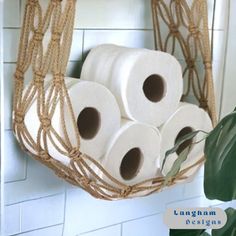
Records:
x=187, y=28
x=34, y=57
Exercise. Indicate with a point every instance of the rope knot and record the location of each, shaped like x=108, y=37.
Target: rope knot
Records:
x=126, y=192
x=46, y=122
x=75, y=154
x=39, y=78
x=194, y=31
x=19, y=75
x=178, y=2
x=19, y=117
x=56, y=36
x=44, y=155
x=56, y=1
x=208, y=64
x=203, y=102
x=38, y=36
x=58, y=79
x=61, y=175
x=85, y=181
x=174, y=29
x=32, y=2
x=191, y=63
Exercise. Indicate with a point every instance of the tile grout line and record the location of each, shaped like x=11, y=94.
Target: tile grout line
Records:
x=97, y=229
x=186, y=199
x=64, y=213
x=25, y=173
x=34, y=199
x=121, y=223
x=121, y=229
x=20, y=217
x=34, y=230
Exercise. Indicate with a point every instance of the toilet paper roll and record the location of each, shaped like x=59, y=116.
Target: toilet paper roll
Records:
x=147, y=84
x=97, y=115
x=133, y=153
x=100, y=60
x=186, y=119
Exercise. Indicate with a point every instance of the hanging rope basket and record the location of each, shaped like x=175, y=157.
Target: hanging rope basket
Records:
x=186, y=26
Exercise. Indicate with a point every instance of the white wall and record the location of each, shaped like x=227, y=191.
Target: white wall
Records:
x=229, y=94
x=38, y=203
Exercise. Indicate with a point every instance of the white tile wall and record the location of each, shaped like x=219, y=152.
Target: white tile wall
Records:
x=37, y=202
x=112, y=14
x=50, y=211
x=194, y=189
x=113, y=230
x=76, y=47
x=12, y=219
x=11, y=8
x=10, y=44
x=15, y=161
x=40, y=182
x=129, y=38
x=151, y=226
x=8, y=88
x=48, y=231
x=112, y=212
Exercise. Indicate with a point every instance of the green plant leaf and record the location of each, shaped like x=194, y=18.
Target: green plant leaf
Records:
x=230, y=228
x=180, y=141
x=220, y=165
x=188, y=232
x=177, y=165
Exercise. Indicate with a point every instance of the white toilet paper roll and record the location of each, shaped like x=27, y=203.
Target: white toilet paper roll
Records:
x=133, y=153
x=100, y=60
x=97, y=114
x=186, y=119
x=147, y=84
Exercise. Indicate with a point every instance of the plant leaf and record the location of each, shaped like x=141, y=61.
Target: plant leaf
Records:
x=177, y=165
x=230, y=228
x=180, y=141
x=220, y=165
x=188, y=232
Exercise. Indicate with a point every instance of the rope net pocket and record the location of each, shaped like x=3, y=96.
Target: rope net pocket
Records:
x=44, y=50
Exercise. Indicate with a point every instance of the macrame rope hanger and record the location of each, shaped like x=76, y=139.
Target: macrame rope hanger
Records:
x=187, y=27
